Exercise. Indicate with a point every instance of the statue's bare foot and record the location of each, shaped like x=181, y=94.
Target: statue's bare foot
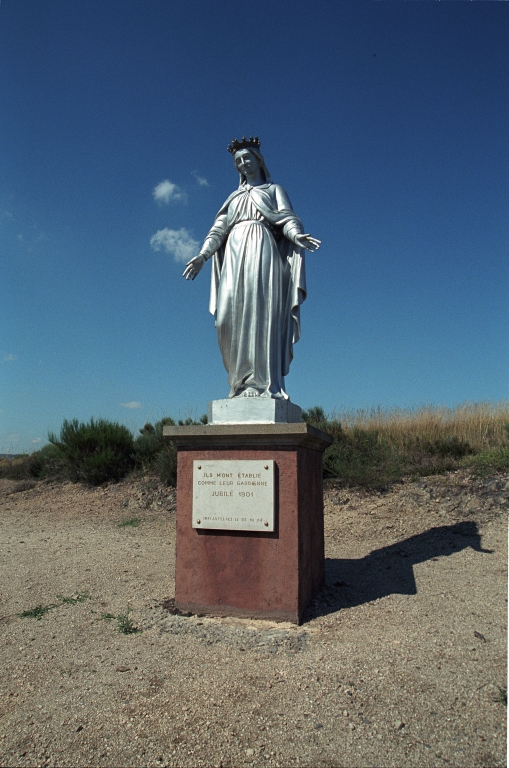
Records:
x=274, y=395
x=250, y=392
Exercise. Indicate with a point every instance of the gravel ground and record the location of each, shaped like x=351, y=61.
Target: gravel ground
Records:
x=399, y=662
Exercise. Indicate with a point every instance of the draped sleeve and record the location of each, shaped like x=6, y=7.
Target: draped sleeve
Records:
x=216, y=237
x=293, y=225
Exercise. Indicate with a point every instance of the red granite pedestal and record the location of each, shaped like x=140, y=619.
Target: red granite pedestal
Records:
x=245, y=573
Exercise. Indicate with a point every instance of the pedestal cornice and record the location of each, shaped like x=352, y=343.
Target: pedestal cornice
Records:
x=211, y=436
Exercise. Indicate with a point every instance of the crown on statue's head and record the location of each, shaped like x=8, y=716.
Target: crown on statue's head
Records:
x=252, y=143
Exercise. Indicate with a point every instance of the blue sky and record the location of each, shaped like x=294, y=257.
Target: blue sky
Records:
x=386, y=122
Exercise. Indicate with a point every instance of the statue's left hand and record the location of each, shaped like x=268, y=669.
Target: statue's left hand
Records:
x=308, y=242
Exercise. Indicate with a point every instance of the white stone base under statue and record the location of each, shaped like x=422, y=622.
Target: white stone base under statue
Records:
x=253, y=410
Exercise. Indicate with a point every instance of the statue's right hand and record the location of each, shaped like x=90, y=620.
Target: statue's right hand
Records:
x=193, y=267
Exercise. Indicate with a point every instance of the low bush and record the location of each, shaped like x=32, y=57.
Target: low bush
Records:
x=361, y=459
x=17, y=468
x=166, y=464
x=155, y=452
x=486, y=462
x=95, y=452
x=357, y=456
x=47, y=462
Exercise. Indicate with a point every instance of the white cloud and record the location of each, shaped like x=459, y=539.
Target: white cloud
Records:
x=37, y=440
x=178, y=242
x=14, y=437
x=131, y=404
x=167, y=191
x=202, y=181
x=10, y=357
x=7, y=215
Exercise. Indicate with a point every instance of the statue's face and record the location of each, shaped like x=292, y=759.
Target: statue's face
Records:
x=246, y=162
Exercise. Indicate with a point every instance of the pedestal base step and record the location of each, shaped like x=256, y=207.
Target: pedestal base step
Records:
x=196, y=609
x=253, y=410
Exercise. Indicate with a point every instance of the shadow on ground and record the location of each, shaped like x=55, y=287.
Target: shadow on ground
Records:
x=389, y=570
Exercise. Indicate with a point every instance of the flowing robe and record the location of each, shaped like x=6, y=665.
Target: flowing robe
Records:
x=258, y=283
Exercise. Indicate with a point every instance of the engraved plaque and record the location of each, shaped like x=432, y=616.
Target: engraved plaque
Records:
x=234, y=495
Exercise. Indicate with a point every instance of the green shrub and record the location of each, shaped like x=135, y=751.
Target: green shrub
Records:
x=154, y=452
x=95, y=452
x=167, y=464
x=361, y=459
x=49, y=453
x=449, y=446
x=357, y=457
x=315, y=415
x=146, y=446
x=48, y=462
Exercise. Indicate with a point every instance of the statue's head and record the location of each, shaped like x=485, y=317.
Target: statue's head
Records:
x=247, y=157
x=247, y=161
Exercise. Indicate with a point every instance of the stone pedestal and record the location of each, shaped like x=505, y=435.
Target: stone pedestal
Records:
x=256, y=574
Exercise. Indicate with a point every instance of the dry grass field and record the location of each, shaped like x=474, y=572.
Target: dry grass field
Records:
x=482, y=425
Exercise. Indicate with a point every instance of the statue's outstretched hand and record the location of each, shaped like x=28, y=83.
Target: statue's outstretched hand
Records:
x=193, y=267
x=308, y=242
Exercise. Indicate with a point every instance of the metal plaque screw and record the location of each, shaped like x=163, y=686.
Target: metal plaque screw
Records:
x=198, y=522
x=266, y=466
x=199, y=466
x=266, y=523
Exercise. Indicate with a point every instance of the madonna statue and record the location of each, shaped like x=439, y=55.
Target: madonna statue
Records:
x=258, y=279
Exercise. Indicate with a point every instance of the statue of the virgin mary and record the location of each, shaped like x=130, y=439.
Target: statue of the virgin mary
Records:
x=258, y=279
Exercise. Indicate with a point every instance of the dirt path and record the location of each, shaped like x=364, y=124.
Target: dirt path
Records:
x=399, y=662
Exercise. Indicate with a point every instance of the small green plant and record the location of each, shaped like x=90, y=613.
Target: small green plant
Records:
x=501, y=696
x=133, y=522
x=125, y=624
x=79, y=598
x=37, y=612
x=486, y=462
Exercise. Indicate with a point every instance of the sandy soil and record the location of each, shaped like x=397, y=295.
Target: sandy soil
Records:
x=400, y=661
